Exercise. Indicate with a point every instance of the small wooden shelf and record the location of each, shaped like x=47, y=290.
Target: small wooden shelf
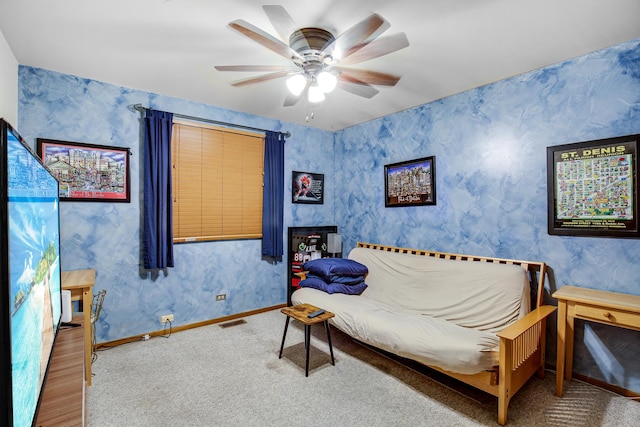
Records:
x=64, y=395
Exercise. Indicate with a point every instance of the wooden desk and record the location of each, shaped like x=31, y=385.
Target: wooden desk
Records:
x=64, y=394
x=610, y=308
x=80, y=283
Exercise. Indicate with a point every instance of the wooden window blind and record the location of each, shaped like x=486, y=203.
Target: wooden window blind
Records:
x=218, y=178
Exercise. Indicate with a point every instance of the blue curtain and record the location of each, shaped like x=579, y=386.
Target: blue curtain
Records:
x=158, y=208
x=273, y=199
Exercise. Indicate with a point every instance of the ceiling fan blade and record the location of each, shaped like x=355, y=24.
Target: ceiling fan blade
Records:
x=368, y=76
x=376, y=48
x=355, y=36
x=260, y=79
x=265, y=39
x=251, y=68
x=357, y=87
x=291, y=99
x=281, y=21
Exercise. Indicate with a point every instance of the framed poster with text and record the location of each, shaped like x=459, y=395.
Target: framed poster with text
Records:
x=307, y=187
x=411, y=183
x=593, y=188
x=87, y=172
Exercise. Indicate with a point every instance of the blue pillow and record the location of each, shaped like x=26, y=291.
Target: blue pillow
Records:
x=332, y=288
x=346, y=280
x=339, y=279
x=328, y=267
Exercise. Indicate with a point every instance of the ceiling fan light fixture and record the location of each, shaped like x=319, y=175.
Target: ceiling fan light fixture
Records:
x=315, y=54
x=327, y=81
x=315, y=94
x=296, y=84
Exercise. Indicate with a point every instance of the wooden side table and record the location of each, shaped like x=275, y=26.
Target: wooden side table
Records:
x=80, y=283
x=300, y=313
x=610, y=308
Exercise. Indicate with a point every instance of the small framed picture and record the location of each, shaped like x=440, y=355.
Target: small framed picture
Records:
x=410, y=183
x=87, y=172
x=307, y=187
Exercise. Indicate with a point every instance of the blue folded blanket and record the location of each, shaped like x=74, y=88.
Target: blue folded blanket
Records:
x=334, y=287
x=335, y=275
x=336, y=269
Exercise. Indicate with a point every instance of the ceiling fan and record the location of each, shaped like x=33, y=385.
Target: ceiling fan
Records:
x=319, y=58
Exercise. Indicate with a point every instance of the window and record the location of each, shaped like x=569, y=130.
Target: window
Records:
x=218, y=179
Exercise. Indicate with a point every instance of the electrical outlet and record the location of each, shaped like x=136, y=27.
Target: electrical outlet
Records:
x=166, y=318
x=221, y=297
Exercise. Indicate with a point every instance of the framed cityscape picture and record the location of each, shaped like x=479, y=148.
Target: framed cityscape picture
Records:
x=87, y=172
x=410, y=183
x=593, y=188
x=307, y=187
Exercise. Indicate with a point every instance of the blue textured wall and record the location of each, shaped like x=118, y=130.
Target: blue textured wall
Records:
x=106, y=236
x=490, y=147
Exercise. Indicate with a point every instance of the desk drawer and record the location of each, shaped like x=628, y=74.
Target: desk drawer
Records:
x=614, y=317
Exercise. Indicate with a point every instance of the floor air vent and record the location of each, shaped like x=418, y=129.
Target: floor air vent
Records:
x=232, y=323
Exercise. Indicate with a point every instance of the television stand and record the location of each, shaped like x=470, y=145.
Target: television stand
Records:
x=64, y=395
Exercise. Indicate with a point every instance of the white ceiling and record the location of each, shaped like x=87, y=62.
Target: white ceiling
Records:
x=170, y=47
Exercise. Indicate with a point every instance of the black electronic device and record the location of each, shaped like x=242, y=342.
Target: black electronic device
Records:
x=30, y=282
x=315, y=313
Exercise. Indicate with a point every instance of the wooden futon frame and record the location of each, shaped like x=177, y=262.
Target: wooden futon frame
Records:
x=522, y=344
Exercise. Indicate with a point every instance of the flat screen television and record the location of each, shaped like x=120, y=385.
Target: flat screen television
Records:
x=30, y=295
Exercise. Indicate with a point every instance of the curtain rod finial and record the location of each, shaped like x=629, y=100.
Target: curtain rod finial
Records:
x=136, y=107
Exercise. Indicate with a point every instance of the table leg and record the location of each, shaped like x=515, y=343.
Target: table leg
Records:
x=307, y=344
x=568, y=373
x=560, y=357
x=87, y=299
x=284, y=335
x=326, y=325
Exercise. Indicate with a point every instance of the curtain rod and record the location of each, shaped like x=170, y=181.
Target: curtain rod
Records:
x=141, y=108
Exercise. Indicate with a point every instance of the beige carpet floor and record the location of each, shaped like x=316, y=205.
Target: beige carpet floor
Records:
x=214, y=376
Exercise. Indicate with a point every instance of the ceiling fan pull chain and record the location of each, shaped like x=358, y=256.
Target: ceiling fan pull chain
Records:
x=311, y=115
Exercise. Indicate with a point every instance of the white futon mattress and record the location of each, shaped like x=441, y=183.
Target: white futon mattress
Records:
x=438, y=312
